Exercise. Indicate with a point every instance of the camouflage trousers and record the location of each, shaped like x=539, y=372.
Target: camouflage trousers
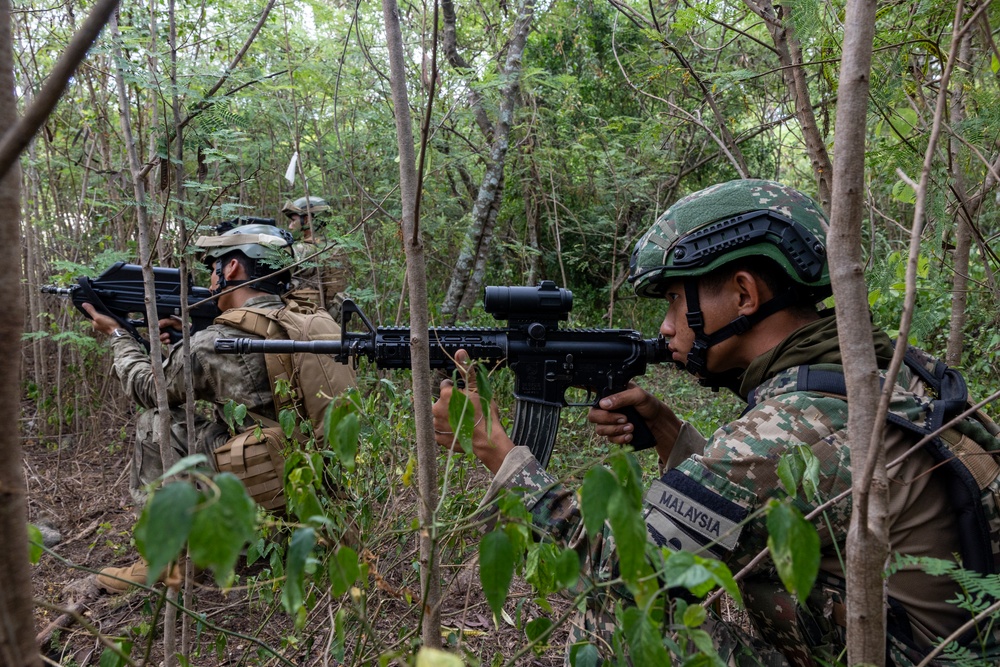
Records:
x=150, y=461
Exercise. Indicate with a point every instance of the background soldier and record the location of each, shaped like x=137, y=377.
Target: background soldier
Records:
x=741, y=313
x=322, y=279
x=235, y=257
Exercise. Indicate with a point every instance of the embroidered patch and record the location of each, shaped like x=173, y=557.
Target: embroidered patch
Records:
x=685, y=515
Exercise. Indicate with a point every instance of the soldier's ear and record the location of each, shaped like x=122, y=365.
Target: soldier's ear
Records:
x=750, y=291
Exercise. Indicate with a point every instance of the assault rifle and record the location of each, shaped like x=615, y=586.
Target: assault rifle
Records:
x=120, y=293
x=547, y=361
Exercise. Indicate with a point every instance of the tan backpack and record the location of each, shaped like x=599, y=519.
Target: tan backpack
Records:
x=314, y=380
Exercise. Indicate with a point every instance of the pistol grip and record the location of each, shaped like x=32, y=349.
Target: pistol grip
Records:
x=642, y=437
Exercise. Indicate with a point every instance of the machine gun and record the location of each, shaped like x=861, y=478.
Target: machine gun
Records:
x=546, y=361
x=120, y=293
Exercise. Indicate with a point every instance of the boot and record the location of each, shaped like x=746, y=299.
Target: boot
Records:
x=119, y=579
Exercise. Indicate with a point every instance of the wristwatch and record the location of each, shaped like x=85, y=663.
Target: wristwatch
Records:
x=118, y=333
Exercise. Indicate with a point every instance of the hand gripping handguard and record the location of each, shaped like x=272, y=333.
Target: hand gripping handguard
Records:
x=547, y=361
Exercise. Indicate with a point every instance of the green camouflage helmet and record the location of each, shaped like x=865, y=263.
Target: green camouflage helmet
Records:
x=304, y=205
x=270, y=247
x=728, y=221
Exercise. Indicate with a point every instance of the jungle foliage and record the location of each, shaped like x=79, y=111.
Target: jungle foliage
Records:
x=622, y=108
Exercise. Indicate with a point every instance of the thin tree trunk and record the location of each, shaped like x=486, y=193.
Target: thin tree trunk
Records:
x=492, y=186
x=427, y=450
x=17, y=623
x=964, y=219
x=867, y=540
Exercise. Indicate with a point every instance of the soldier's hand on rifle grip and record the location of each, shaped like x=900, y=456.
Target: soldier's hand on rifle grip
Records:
x=491, y=449
x=171, y=330
x=612, y=424
x=105, y=324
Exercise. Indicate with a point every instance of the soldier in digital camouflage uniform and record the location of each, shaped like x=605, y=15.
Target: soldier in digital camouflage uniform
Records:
x=742, y=266
x=238, y=255
x=322, y=279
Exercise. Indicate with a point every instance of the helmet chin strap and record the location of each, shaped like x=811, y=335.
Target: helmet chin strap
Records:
x=222, y=283
x=697, y=358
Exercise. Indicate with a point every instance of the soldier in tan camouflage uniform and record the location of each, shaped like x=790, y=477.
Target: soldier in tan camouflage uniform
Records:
x=235, y=257
x=322, y=279
x=742, y=267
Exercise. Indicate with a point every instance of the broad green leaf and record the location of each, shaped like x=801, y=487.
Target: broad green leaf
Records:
x=345, y=439
x=694, y=616
x=164, y=526
x=222, y=527
x=902, y=192
x=299, y=547
x=344, y=570
x=35, y=543
x=684, y=569
x=110, y=658
x=629, y=475
x=599, y=485
x=644, y=638
x=432, y=657
x=537, y=627
x=567, y=569
x=496, y=568
x=794, y=545
x=790, y=469
x=629, y=531
x=583, y=655
x=287, y=419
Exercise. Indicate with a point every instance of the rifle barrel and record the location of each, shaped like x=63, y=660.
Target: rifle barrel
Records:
x=61, y=291
x=245, y=345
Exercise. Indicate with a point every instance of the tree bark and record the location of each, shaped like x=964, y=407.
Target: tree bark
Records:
x=492, y=186
x=17, y=623
x=430, y=580
x=867, y=540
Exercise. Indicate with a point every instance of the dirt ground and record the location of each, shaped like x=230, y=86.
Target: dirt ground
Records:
x=78, y=493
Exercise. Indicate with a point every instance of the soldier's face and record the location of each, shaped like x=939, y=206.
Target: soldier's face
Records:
x=717, y=313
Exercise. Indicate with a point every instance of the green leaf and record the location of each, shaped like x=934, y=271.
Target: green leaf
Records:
x=164, y=526
x=222, y=527
x=794, y=545
x=344, y=440
x=583, y=655
x=902, y=192
x=799, y=467
x=344, y=570
x=599, y=485
x=537, y=627
x=645, y=640
x=110, y=658
x=287, y=419
x=629, y=530
x=299, y=547
x=567, y=569
x=35, y=543
x=496, y=568
x=694, y=616
x=995, y=64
